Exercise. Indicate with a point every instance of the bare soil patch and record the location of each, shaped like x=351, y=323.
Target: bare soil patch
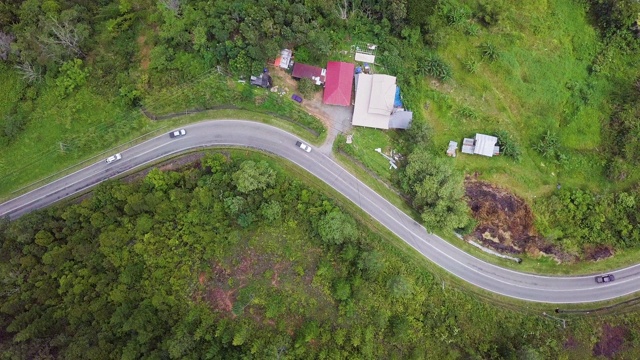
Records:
x=145, y=52
x=598, y=252
x=225, y=280
x=505, y=222
x=312, y=106
x=571, y=343
x=611, y=341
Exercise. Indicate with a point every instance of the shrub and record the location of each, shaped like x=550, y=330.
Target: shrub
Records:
x=472, y=29
x=453, y=13
x=467, y=113
x=549, y=147
x=489, y=52
x=73, y=75
x=508, y=146
x=491, y=12
x=307, y=88
x=436, y=67
x=471, y=65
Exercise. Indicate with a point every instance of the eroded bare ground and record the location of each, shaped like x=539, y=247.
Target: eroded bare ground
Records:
x=221, y=285
x=611, y=341
x=505, y=222
x=312, y=106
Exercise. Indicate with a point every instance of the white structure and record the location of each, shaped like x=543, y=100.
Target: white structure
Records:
x=284, y=60
x=371, y=59
x=453, y=147
x=400, y=119
x=374, y=100
x=482, y=145
x=365, y=52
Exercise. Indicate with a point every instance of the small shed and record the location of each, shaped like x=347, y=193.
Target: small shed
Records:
x=481, y=145
x=468, y=146
x=485, y=145
x=284, y=59
x=453, y=147
x=365, y=52
x=302, y=71
x=264, y=80
x=400, y=120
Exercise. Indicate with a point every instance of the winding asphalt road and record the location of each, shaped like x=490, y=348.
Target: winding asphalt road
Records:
x=547, y=289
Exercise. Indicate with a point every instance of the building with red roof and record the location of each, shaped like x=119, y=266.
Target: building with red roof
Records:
x=301, y=71
x=339, y=83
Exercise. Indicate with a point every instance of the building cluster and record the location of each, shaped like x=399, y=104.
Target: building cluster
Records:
x=375, y=98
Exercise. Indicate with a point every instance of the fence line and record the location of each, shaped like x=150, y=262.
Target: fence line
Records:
x=152, y=116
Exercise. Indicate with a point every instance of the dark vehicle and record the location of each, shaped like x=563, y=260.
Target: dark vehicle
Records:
x=177, y=133
x=605, y=278
x=303, y=146
x=296, y=98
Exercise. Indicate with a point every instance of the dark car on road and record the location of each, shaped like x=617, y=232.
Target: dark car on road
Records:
x=605, y=278
x=177, y=133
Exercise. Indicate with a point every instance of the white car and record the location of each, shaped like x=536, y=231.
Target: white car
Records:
x=303, y=146
x=178, y=133
x=113, y=158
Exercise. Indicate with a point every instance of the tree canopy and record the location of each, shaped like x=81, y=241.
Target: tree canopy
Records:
x=159, y=269
x=436, y=191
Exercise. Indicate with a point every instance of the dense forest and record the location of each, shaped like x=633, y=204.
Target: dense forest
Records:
x=233, y=257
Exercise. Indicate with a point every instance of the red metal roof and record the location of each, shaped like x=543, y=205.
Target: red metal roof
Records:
x=301, y=71
x=339, y=83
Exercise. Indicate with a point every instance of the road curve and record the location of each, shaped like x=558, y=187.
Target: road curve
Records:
x=536, y=288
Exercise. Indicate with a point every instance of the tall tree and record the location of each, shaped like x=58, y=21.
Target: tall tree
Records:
x=254, y=176
x=337, y=227
x=436, y=191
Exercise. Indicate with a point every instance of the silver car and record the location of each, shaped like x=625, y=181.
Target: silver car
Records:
x=303, y=146
x=113, y=158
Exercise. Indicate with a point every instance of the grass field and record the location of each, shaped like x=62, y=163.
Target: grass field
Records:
x=541, y=79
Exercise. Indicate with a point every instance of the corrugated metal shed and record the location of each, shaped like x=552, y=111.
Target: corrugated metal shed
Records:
x=400, y=120
x=365, y=58
x=284, y=59
x=301, y=71
x=468, y=146
x=361, y=114
x=484, y=145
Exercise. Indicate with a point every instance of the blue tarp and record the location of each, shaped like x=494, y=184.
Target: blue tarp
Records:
x=397, y=102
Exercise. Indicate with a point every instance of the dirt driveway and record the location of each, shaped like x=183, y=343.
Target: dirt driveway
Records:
x=337, y=119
